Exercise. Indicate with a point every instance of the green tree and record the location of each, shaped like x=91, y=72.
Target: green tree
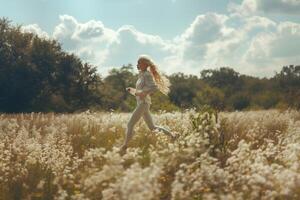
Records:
x=288, y=81
x=210, y=96
x=239, y=101
x=224, y=78
x=115, y=88
x=36, y=75
x=183, y=89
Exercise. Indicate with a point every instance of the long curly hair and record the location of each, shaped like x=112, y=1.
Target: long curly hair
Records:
x=161, y=80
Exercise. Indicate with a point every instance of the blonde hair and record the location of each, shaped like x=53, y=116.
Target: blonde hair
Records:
x=161, y=80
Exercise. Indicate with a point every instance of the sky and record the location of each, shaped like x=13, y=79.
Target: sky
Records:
x=254, y=37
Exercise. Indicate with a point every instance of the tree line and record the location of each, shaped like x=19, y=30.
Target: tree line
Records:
x=36, y=75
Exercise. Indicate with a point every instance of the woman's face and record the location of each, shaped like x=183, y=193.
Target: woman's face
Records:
x=141, y=65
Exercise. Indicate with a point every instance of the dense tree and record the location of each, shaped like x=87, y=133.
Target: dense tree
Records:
x=210, y=96
x=36, y=75
x=225, y=78
x=288, y=80
x=184, y=89
x=239, y=101
x=116, y=83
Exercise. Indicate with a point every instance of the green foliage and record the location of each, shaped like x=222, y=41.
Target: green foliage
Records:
x=225, y=78
x=267, y=99
x=205, y=116
x=36, y=75
x=210, y=96
x=162, y=102
x=205, y=122
x=184, y=89
x=240, y=101
x=116, y=96
x=288, y=81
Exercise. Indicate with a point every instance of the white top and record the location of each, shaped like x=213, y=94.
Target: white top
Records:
x=145, y=82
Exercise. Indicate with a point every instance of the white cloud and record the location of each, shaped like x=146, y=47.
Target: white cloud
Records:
x=215, y=40
x=88, y=40
x=250, y=44
x=34, y=28
x=105, y=47
x=64, y=32
x=204, y=30
x=250, y=7
x=279, y=6
x=270, y=45
x=129, y=43
x=281, y=46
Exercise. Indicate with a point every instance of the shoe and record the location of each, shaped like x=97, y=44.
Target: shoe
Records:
x=122, y=150
x=174, y=137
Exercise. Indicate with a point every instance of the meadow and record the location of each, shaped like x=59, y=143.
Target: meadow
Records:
x=226, y=155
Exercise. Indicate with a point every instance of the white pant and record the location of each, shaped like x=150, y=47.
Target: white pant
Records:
x=142, y=110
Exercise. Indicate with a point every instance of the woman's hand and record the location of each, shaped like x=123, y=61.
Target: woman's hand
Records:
x=129, y=89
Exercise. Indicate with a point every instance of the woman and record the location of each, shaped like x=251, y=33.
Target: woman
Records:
x=148, y=82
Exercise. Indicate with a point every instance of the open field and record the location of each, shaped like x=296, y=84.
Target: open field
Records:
x=238, y=155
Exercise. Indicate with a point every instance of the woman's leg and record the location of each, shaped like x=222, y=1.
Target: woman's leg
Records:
x=136, y=115
x=149, y=121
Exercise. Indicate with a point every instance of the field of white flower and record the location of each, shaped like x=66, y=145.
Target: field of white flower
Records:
x=238, y=155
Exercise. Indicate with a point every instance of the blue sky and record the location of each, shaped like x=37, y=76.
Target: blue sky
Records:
x=155, y=16
x=255, y=37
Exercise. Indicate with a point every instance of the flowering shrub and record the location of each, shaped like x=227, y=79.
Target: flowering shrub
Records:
x=237, y=155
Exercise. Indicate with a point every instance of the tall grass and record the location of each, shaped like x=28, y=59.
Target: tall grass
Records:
x=237, y=155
